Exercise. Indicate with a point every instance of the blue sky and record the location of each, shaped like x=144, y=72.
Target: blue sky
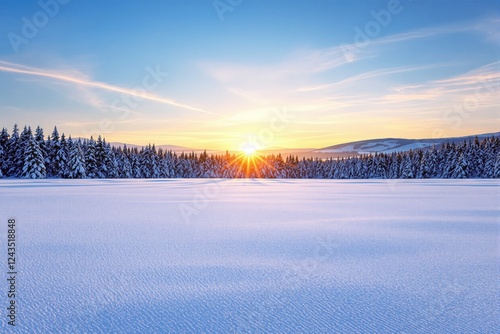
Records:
x=222, y=74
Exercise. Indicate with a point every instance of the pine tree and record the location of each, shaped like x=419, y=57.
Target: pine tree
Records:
x=34, y=167
x=490, y=160
x=167, y=165
x=62, y=156
x=461, y=170
x=496, y=168
x=90, y=160
x=4, y=141
x=100, y=158
x=2, y=157
x=40, y=139
x=13, y=150
x=76, y=163
x=53, y=148
x=424, y=170
x=407, y=172
x=125, y=168
x=110, y=162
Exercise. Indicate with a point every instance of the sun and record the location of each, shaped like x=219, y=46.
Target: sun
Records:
x=249, y=151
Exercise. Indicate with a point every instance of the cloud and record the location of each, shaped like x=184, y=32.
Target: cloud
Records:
x=79, y=81
x=483, y=79
x=368, y=75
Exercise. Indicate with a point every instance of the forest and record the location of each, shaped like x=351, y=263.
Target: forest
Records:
x=24, y=154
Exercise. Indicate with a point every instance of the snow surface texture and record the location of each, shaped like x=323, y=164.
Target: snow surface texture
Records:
x=288, y=256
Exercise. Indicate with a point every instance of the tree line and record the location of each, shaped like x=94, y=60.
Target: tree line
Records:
x=30, y=155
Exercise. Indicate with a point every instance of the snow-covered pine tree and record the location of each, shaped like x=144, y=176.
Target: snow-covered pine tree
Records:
x=167, y=165
x=25, y=136
x=449, y=162
x=490, y=159
x=13, y=152
x=126, y=168
x=34, y=167
x=4, y=141
x=53, y=148
x=4, y=137
x=136, y=164
x=110, y=162
x=62, y=156
x=150, y=164
x=90, y=160
x=407, y=172
x=424, y=171
x=461, y=170
x=2, y=157
x=76, y=163
x=40, y=139
x=432, y=163
x=496, y=168
x=100, y=158
x=393, y=167
x=381, y=166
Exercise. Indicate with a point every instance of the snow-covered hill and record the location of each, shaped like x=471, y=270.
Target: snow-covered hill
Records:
x=390, y=145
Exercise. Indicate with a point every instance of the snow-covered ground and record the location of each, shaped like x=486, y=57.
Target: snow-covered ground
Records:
x=220, y=256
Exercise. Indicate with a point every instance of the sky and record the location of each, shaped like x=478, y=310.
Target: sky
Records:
x=227, y=74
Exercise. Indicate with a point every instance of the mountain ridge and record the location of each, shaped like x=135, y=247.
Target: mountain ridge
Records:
x=391, y=145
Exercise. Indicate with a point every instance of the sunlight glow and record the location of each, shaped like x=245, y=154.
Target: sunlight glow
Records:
x=249, y=151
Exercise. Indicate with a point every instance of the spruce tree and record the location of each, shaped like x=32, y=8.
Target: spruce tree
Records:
x=34, y=167
x=126, y=168
x=12, y=151
x=100, y=158
x=2, y=157
x=461, y=170
x=62, y=156
x=4, y=141
x=496, y=167
x=40, y=139
x=407, y=172
x=110, y=162
x=53, y=148
x=76, y=163
x=90, y=160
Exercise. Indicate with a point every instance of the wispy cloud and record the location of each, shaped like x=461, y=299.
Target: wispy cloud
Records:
x=485, y=78
x=27, y=70
x=369, y=75
x=312, y=61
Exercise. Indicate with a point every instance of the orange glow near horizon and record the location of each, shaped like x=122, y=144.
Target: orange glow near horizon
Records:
x=249, y=164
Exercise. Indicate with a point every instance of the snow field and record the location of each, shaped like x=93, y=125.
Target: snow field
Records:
x=315, y=256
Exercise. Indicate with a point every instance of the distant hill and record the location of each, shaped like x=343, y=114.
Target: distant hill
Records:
x=390, y=145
